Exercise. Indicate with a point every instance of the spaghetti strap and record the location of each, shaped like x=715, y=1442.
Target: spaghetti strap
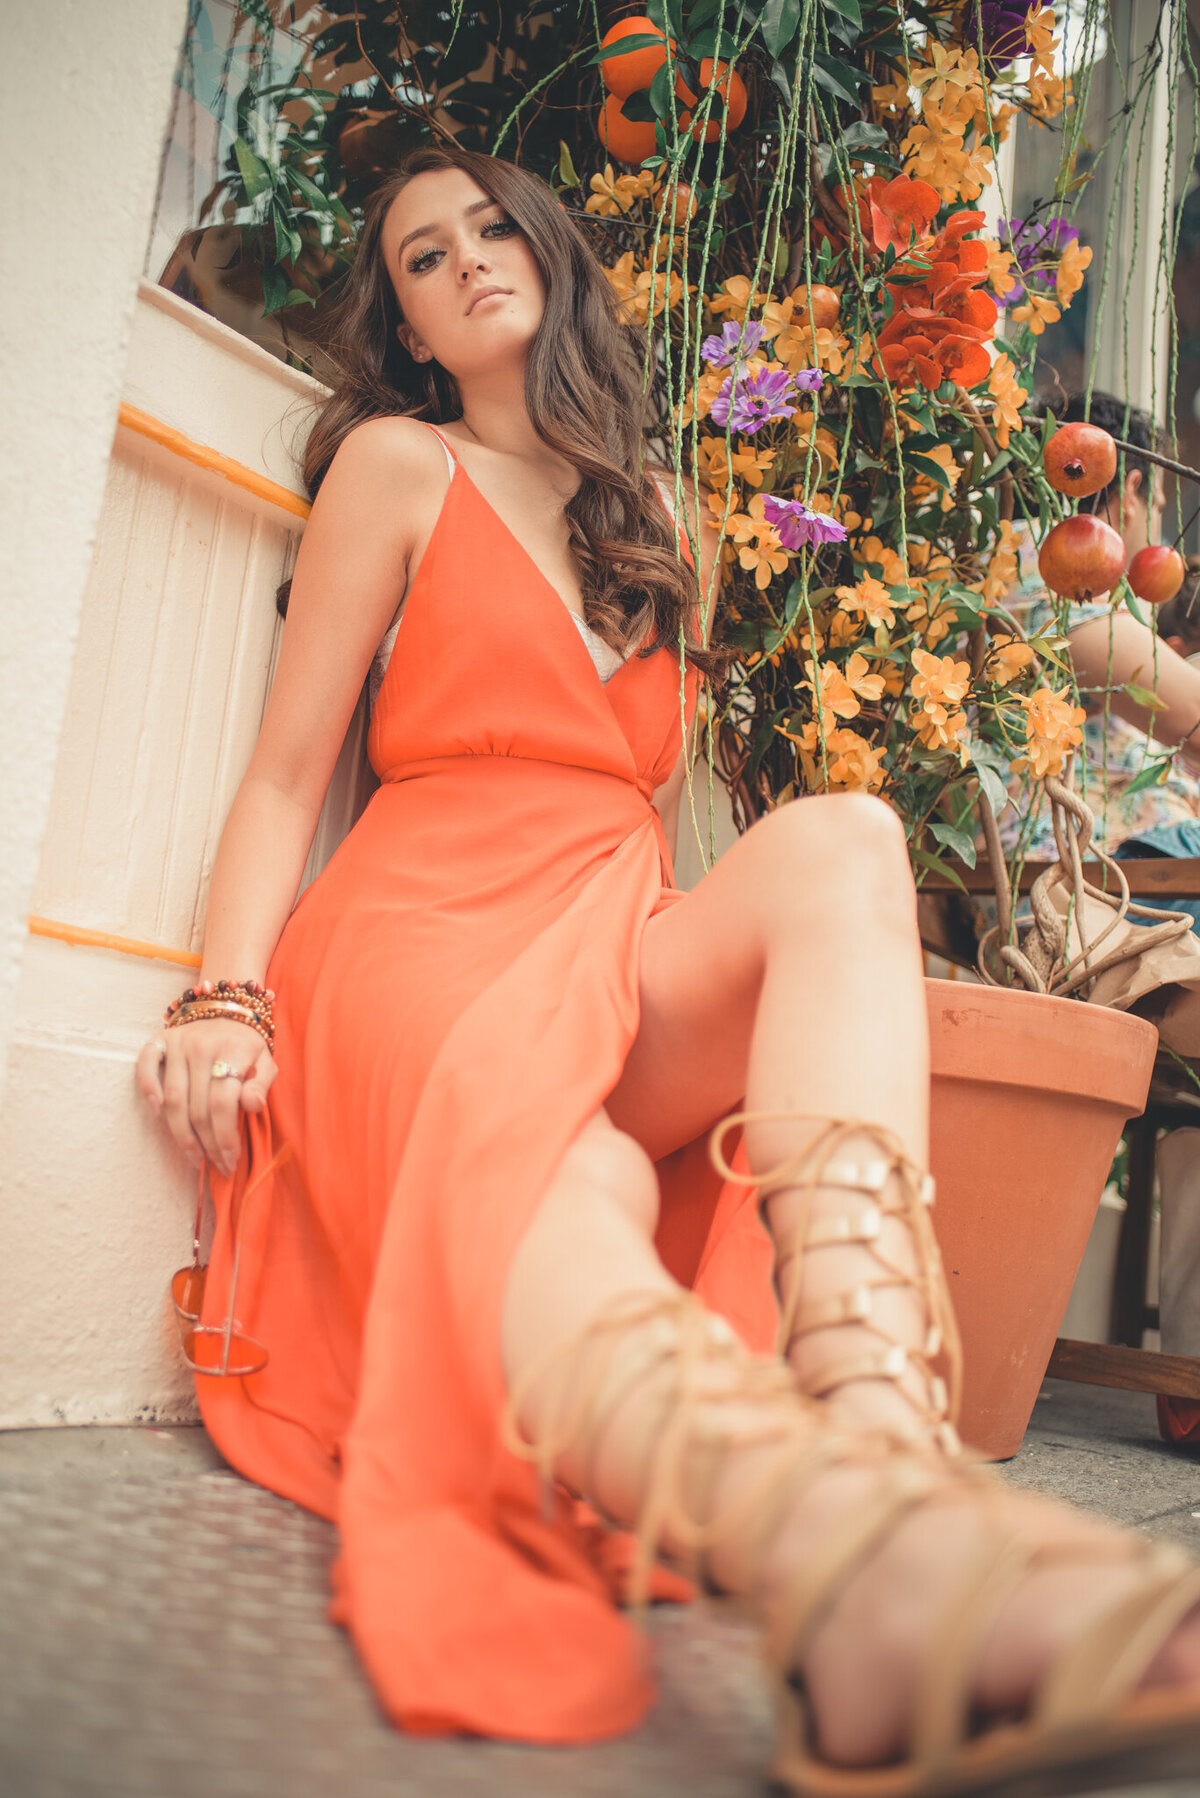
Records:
x=451, y=458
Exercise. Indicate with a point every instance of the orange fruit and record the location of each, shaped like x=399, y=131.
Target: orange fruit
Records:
x=629, y=140
x=731, y=89
x=625, y=75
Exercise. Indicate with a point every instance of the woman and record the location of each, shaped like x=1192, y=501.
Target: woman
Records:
x=495, y=1016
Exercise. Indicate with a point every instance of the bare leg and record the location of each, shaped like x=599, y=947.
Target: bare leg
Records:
x=588, y=1246
x=791, y=980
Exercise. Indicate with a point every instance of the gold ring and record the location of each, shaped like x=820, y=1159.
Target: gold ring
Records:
x=225, y=1070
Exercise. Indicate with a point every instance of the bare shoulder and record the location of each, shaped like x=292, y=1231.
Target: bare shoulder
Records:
x=378, y=453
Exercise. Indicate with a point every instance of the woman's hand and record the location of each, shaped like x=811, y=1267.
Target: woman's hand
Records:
x=174, y=1076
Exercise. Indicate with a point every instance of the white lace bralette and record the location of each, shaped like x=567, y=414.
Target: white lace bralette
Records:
x=604, y=657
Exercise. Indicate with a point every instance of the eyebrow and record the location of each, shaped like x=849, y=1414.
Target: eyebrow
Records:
x=428, y=230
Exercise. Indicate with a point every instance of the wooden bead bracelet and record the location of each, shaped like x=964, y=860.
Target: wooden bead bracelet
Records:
x=245, y=1001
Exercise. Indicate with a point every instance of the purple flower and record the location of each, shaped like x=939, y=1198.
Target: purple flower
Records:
x=748, y=402
x=809, y=380
x=722, y=351
x=1000, y=26
x=1032, y=244
x=796, y=524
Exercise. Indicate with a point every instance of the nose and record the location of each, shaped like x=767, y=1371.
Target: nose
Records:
x=471, y=260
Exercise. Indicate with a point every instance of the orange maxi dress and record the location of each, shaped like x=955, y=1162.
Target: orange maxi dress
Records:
x=455, y=995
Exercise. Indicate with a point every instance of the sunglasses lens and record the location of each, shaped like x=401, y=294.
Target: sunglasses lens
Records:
x=207, y=1349
x=187, y=1290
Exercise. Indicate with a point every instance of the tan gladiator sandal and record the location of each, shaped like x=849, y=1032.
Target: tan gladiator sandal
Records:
x=1087, y=1730
x=929, y=1376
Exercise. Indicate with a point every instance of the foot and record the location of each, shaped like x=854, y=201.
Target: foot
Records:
x=881, y=1573
x=919, y=1596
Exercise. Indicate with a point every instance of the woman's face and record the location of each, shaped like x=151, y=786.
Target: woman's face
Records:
x=462, y=271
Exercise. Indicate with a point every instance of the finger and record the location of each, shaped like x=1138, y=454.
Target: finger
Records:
x=224, y=1110
x=200, y=1100
x=176, y=1084
x=148, y=1073
x=256, y=1088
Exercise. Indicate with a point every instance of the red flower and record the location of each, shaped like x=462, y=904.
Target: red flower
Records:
x=900, y=209
x=932, y=349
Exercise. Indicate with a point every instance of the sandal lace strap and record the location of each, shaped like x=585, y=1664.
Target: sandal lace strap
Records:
x=893, y=1187
x=711, y=1395
x=1106, y=1663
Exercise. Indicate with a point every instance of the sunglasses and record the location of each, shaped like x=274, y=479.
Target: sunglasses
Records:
x=222, y=1350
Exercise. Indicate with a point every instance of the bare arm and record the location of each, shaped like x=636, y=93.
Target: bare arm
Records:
x=350, y=578
x=666, y=798
x=1122, y=652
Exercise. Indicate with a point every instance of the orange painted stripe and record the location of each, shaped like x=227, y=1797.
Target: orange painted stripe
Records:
x=102, y=939
x=146, y=425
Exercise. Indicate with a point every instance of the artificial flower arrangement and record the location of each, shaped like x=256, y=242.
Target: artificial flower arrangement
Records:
x=846, y=390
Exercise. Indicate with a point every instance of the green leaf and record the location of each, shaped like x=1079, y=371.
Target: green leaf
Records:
x=641, y=40
x=566, y=168
x=995, y=469
x=640, y=108
x=951, y=837
x=660, y=92
x=849, y=9
x=829, y=81
x=319, y=202
x=922, y=859
x=256, y=176
x=931, y=470
x=841, y=75
x=862, y=136
x=783, y=82
x=990, y=781
x=778, y=24
x=668, y=14
x=1143, y=696
x=275, y=290
x=1153, y=773
x=1134, y=605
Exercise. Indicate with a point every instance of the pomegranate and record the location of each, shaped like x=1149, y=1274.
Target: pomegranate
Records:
x=1080, y=459
x=825, y=307
x=1156, y=573
x=1081, y=556
x=685, y=202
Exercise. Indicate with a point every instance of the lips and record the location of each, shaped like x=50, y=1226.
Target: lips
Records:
x=483, y=294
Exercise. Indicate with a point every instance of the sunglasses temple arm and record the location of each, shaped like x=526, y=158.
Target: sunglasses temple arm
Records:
x=276, y=1161
x=201, y=1188
x=227, y=1332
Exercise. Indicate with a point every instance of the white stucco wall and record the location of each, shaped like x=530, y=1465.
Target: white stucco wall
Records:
x=80, y=171
x=176, y=645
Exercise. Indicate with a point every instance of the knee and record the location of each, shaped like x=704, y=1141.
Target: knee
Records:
x=844, y=849
x=608, y=1166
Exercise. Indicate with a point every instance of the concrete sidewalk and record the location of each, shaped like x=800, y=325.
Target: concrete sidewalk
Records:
x=163, y=1633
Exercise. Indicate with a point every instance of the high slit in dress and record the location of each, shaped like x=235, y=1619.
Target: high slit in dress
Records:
x=456, y=995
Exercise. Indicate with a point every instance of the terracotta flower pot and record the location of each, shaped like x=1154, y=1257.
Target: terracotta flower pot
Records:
x=1030, y=1095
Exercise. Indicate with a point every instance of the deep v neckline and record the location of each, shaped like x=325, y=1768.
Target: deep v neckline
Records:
x=547, y=583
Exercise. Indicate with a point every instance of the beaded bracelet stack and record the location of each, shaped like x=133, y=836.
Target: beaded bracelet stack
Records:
x=245, y=1001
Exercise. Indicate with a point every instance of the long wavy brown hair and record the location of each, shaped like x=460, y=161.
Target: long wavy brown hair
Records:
x=583, y=390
